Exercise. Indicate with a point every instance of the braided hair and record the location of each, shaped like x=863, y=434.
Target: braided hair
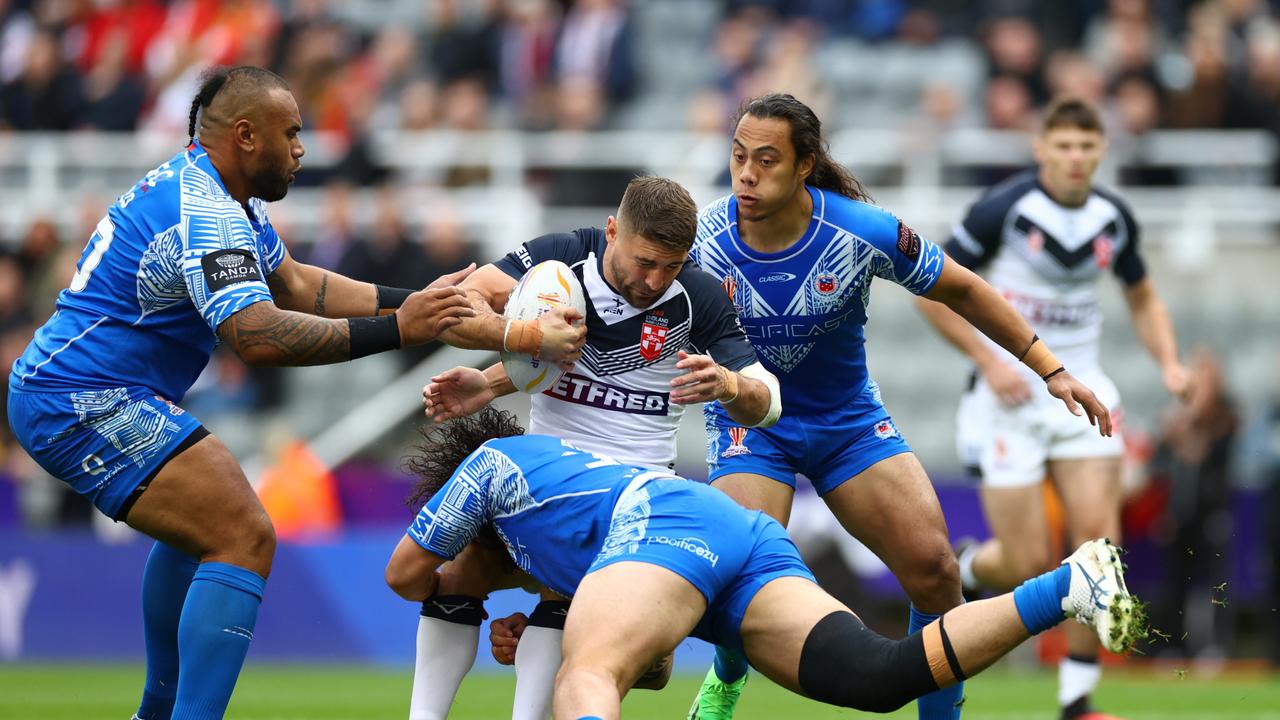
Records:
x=213, y=80
x=806, y=138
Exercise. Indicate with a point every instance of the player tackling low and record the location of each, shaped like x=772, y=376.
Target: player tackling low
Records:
x=1044, y=238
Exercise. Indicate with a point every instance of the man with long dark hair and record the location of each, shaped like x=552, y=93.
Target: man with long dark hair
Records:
x=650, y=558
x=185, y=259
x=797, y=246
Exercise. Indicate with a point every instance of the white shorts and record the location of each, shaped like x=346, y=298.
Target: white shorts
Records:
x=1012, y=445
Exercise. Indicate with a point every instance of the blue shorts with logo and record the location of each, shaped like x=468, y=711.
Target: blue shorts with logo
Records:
x=105, y=444
x=727, y=552
x=828, y=449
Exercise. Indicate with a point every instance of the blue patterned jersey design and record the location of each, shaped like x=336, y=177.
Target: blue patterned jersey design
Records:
x=804, y=308
x=550, y=503
x=172, y=259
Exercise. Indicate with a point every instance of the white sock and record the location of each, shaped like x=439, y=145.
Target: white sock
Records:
x=446, y=651
x=537, y=662
x=967, y=579
x=1076, y=679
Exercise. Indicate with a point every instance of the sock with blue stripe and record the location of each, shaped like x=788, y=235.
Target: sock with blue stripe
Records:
x=941, y=704
x=730, y=666
x=165, y=582
x=1039, y=600
x=214, y=634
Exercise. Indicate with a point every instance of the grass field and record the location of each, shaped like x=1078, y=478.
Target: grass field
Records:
x=268, y=692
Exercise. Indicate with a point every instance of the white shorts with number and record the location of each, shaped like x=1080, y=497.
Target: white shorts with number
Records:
x=1011, y=445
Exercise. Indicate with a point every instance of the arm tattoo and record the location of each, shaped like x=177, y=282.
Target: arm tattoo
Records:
x=324, y=288
x=263, y=334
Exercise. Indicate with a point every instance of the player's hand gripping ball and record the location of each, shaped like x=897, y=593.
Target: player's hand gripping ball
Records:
x=547, y=285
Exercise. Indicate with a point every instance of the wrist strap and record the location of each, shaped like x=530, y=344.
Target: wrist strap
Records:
x=371, y=335
x=390, y=298
x=730, y=384
x=1040, y=358
x=1034, y=339
x=1060, y=369
x=523, y=336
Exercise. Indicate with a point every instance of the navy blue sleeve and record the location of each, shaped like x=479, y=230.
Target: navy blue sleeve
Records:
x=1128, y=265
x=975, y=240
x=568, y=248
x=716, y=329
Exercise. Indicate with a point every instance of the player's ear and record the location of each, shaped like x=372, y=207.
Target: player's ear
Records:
x=806, y=166
x=611, y=229
x=243, y=132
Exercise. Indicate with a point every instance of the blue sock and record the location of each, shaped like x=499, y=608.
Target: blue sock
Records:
x=1039, y=600
x=730, y=666
x=941, y=704
x=214, y=634
x=164, y=590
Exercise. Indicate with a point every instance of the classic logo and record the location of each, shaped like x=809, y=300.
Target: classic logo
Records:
x=737, y=443
x=826, y=283
x=653, y=335
x=1103, y=249
x=776, y=277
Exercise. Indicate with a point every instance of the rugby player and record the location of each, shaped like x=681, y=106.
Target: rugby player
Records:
x=1044, y=238
x=796, y=246
x=651, y=558
x=183, y=260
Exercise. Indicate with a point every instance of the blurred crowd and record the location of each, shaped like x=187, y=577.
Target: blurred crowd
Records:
x=571, y=64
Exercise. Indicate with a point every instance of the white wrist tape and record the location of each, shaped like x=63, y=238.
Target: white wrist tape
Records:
x=756, y=371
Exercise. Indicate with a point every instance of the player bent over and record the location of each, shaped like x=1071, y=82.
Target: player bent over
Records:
x=651, y=558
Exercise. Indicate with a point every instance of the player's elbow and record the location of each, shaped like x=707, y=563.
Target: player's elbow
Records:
x=260, y=355
x=402, y=581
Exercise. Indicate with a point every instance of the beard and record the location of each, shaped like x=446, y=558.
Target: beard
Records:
x=269, y=184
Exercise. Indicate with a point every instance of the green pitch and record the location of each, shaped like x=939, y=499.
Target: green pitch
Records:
x=270, y=692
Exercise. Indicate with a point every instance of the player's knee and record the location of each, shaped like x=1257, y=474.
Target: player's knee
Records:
x=845, y=663
x=462, y=577
x=933, y=578
x=255, y=542
x=575, y=675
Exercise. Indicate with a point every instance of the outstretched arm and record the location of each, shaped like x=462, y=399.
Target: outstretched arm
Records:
x=461, y=391
x=264, y=334
x=1155, y=330
x=970, y=297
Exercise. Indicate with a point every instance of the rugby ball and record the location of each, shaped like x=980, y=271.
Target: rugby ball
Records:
x=547, y=285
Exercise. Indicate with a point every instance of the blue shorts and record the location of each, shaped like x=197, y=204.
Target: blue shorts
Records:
x=726, y=552
x=105, y=444
x=828, y=449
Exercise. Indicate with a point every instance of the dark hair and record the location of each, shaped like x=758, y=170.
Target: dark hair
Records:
x=214, y=79
x=1071, y=112
x=661, y=211
x=806, y=138
x=444, y=446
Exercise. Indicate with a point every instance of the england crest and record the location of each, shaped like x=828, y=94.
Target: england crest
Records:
x=653, y=335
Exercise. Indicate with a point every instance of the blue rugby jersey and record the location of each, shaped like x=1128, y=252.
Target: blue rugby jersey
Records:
x=550, y=503
x=172, y=259
x=804, y=308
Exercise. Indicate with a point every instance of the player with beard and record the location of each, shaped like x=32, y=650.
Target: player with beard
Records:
x=183, y=260
x=660, y=334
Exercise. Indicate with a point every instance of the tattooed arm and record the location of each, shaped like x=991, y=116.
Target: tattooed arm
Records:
x=308, y=289
x=264, y=334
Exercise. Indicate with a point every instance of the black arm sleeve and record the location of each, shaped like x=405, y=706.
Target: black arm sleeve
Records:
x=716, y=329
x=568, y=248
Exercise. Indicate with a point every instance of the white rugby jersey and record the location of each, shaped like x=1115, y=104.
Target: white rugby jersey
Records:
x=1045, y=258
x=616, y=401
